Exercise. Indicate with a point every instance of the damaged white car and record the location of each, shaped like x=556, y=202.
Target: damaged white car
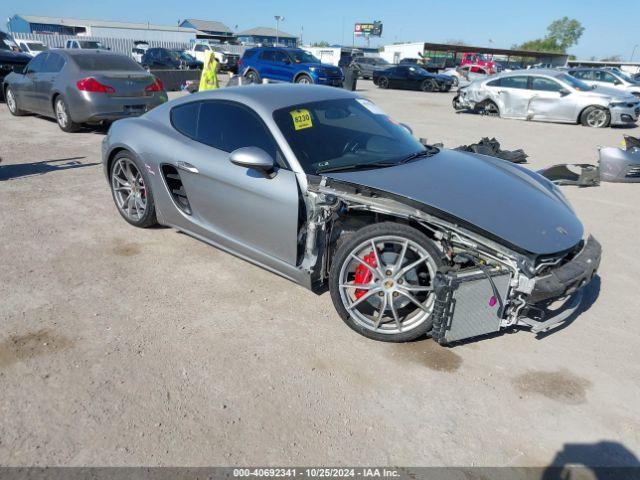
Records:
x=550, y=96
x=322, y=187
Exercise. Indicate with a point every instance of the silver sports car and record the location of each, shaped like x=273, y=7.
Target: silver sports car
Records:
x=550, y=96
x=322, y=187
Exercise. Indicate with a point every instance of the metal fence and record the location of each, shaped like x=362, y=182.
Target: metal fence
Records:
x=119, y=45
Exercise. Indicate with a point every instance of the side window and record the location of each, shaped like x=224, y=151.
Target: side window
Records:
x=35, y=65
x=401, y=71
x=53, y=63
x=280, y=56
x=227, y=127
x=514, y=82
x=545, y=84
x=199, y=48
x=267, y=55
x=605, y=77
x=184, y=118
x=494, y=83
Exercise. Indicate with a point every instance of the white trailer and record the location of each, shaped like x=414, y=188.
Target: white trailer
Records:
x=395, y=53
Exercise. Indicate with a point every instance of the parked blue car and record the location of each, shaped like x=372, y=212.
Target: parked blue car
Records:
x=292, y=65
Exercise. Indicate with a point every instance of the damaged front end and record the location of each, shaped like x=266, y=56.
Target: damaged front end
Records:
x=485, y=286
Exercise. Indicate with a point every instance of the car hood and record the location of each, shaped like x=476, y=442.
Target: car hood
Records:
x=611, y=94
x=514, y=205
x=13, y=57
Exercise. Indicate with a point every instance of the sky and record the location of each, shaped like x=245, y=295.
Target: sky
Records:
x=498, y=23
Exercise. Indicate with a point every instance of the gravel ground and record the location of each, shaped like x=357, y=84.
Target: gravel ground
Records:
x=121, y=346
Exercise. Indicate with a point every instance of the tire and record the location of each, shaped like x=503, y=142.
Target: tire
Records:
x=429, y=86
x=595, y=117
x=489, y=108
x=12, y=103
x=135, y=205
x=253, y=76
x=456, y=103
x=456, y=82
x=304, y=79
x=63, y=117
x=382, y=310
x=383, y=82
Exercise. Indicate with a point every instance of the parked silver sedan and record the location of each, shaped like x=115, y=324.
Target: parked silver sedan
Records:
x=322, y=187
x=82, y=86
x=550, y=96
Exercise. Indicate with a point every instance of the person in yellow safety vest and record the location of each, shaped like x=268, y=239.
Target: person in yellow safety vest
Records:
x=209, y=78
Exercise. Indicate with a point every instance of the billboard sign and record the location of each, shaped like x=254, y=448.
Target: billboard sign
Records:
x=373, y=29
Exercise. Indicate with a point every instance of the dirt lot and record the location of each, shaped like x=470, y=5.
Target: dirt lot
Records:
x=121, y=346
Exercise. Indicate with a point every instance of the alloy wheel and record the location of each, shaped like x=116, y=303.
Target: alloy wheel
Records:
x=61, y=113
x=491, y=110
x=11, y=101
x=304, y=80
x=129, y=189
x=386, y=284
x=383, y=82
x=597, y=118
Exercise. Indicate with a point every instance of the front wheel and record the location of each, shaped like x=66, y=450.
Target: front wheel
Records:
x=252, y=76
x=381, y=282
x=595, y=117
x=63, y=116
x=429, y=86
x=304, y=79
x=131, y=191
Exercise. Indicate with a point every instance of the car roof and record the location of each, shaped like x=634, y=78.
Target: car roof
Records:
x=550, y=72
x=265, y=99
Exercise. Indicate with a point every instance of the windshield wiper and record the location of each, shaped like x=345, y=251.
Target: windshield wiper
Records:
x=358, y=166
x=430, y=151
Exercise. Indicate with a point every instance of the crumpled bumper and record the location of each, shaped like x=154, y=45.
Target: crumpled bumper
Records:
x=625, y=115
x=570, y=277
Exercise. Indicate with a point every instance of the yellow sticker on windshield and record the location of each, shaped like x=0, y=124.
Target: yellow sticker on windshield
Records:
x=301, y=119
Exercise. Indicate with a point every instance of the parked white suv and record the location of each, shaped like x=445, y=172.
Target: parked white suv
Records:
x=605, y=77
x=227, y=60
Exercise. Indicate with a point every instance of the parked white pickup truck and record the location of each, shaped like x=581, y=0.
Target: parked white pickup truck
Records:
x=227, y=60
x=85, y=45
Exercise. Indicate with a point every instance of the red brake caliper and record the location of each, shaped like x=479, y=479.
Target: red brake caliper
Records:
x=363, y=274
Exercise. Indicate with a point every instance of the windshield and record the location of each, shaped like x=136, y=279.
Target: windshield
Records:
x=37, y=47
x=344, y=134
x=104, y=62
x=300, y=56
x=574, y=83
x=379, y=61
x=624, y=76
x=90, y=45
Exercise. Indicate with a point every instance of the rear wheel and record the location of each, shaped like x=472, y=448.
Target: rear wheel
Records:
x=12, y=103
x=63, y=116
x=595, y=117
x=131, y=191
x=381, y=282
x=383, y=82
x=252, y=76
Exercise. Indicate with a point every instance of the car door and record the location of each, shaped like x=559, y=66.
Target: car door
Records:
x=231, y=203
x=51, y=69
x=550, y=101
x=26, y=90
x=266, y=64
x=512, y=95
x=399, y=77
x=284, y=69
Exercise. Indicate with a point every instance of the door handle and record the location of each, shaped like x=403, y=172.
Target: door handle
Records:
x=187, y=167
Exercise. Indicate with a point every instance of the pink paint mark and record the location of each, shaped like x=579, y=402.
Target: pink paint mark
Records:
x=492, y=301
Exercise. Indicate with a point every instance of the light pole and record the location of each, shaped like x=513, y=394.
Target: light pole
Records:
x=279, y=18
x=633, y=52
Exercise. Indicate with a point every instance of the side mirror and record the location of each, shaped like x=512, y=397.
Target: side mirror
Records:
x=407, y=127
x=564, y=92
x=254, y=158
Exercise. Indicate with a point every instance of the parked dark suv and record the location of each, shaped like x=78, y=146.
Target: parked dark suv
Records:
x=292, y=65
x=10, y=58
x=168, y=59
